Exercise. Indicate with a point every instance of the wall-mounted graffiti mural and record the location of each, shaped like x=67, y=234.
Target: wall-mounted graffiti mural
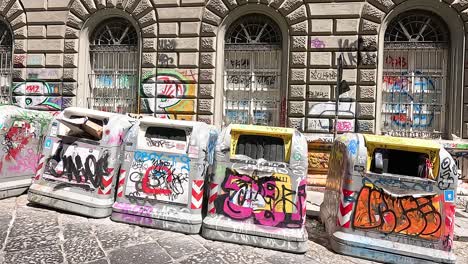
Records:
x=40, y=95
x=169, y=94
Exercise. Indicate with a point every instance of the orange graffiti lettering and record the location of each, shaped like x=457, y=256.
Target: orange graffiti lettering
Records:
x=404, y=215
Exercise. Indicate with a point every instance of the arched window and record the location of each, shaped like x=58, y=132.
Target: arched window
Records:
x=114, y=67
x=5, y=63
x=415, y=76
x=252, y=70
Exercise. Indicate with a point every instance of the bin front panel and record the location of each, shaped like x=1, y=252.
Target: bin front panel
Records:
x=162, y=178
x=21, y=137
x=259, y=191
x=166, y=163
x=86, y=167
x=399, y=208
x=158, y=176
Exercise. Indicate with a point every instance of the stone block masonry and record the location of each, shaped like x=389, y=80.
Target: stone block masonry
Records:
x=185, y=40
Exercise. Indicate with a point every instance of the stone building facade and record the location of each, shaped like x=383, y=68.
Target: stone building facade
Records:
x=267, y=62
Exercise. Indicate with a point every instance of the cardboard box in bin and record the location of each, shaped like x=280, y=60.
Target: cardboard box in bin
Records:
x=78, y=125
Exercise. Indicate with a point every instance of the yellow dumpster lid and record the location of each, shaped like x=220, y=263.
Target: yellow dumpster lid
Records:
x=265, y=130
x=401, y=142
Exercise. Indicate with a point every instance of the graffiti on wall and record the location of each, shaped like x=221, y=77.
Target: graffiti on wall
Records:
x=327, y=109
x=269, y=200
x=413, y=216
x=326, y=125
x=157, y=176
x=84, y=167
x=39, y=95
x=361, y=57
x=404, y=94
x=166, y=93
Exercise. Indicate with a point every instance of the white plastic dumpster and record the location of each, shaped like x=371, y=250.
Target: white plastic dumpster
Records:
x=80, y=163
x=390, y=199
x=163, y=175
x=21, y=135
x=258, y=192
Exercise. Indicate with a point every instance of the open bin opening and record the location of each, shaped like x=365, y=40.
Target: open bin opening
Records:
x=168, y=133
x=169, y=138
x=84, y=126
x=261, y=147
x=401, y=162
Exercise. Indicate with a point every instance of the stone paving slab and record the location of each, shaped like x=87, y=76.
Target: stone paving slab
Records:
x=37, y=235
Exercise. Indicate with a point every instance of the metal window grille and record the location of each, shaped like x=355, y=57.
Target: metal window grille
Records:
x=113, y=80
x=5, y=64
x=252, y=72
x=415, y=77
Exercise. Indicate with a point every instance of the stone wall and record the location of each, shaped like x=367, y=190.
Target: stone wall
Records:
x=179, y=41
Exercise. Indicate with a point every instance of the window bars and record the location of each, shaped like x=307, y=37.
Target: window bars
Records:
x=5, y=64
x=415, y=77
x=252, y=72
x=114, y=67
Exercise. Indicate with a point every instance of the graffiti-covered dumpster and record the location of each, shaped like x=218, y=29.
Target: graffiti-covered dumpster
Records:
x=258, y=190
x=80, y=163
x=163, y=174
x=21, y=135
x=390, y=199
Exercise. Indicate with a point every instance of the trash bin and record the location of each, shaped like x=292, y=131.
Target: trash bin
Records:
x=258, y=190
x=390, y=199
x=163, y=174
x=21, y=135
x=80, y=162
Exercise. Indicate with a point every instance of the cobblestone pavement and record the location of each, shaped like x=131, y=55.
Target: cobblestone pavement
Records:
x=37, y=235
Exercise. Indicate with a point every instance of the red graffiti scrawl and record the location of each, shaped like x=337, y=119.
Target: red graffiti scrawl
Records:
x=16, y=139
x=153, y=179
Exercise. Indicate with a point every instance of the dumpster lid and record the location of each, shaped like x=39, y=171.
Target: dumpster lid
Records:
x=254, y=129
x=149, y=120
x=404, y=143
x=396, y=191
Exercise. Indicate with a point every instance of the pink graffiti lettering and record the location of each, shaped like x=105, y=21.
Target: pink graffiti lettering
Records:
x=32, y=88
x=25, y=163
x=269, y=200
x=344, y=126
x=317, y=43
x=115, y=139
